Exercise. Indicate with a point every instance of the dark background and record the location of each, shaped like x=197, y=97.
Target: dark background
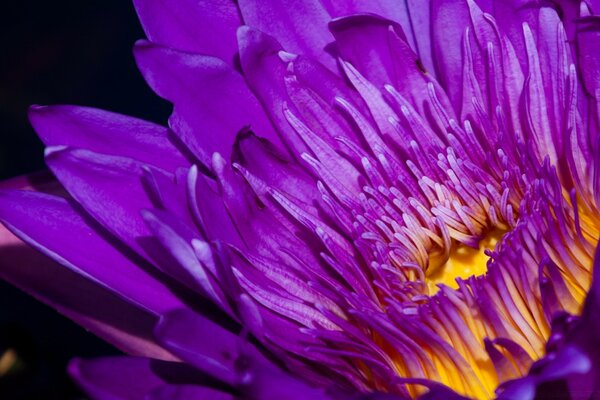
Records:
x=58, y=52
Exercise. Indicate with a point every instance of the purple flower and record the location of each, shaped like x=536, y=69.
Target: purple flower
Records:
x=353, y=200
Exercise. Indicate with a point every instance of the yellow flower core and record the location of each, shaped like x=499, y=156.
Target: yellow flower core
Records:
x=571, y=253
x=464, y=261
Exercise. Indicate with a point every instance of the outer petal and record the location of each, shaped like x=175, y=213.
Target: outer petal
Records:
x=299, y=25
x=364, y=41
x=204, y=344
x=188, y=392
x=263, y=160
x=588, y=46
x=412, y=15
x=209, y=209
x=118, y=322
x=54, y=226
x=201, y=26
x=268, y=383
x=106, y=132
x=109, y=188
x=131, y=378
x=212, y=102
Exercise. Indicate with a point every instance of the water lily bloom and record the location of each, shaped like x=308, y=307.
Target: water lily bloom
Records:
x=352, y=200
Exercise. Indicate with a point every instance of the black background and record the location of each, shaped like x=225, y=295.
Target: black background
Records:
x=59, y=52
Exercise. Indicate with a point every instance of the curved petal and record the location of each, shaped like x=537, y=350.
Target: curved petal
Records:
x=212, y=102
x=110, y=188
x=192, y=25
x=194, y=263
x=106, y=132
x=106, y=315
x=188, y=392
x=449, y=19
x=412, y=15
x=299, y=25
x=204, y=344
x=378, y=49
x=130, y=378
x=54, y=226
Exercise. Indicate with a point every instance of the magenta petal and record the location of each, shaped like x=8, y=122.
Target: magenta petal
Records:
x=268, y=383
x=105, y=132
x=260, y=158
x=265, y=71
x=188, y=392
x=210, y=212
x=53, y=226
x=108, y=187
x=204, y=344
x=194, y=263
x=212, y=102
x=299, y=25
x=132, y=378
x=192, y=25
x=117, y=321
x=449, y=19
x=412, y=15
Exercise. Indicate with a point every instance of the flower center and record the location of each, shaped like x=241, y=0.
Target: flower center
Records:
x=464, y=261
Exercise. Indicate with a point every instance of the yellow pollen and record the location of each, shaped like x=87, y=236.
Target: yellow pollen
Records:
x=464, y=261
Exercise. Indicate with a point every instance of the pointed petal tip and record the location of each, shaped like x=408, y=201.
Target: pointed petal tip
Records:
x=54, y=151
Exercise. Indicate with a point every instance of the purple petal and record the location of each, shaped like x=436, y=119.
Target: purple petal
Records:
x=132, y=378
x=259, y=157
x=115, y=377
x=377, y=48
x=53, y=226
x=588, y=46
x=192, y=25
x=108, y=187
x=188, y=392
x=212, y=102
x=108, y=133
x=108, y=316
x=209, y=209
x=194, y=263
x=204, y=344
x=449, y=19
x=269, y=383
x=265, y=72
x=364, y=41
x=412, y=15
x=299, y=25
